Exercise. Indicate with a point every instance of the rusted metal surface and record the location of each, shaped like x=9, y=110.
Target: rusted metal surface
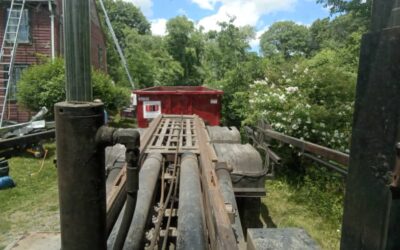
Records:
x=327, y=153
x=371, y=215
x=81, y=176
x=218, y=223
x=163, y=142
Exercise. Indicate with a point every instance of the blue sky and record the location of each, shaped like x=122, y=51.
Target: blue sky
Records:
x=258, y=13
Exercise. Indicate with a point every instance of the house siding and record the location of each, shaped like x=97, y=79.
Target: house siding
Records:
x=40, y=45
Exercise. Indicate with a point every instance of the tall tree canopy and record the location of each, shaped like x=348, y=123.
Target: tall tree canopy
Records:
x=361, y=8
x=286, y=38
x=124, y=16
x=185, y=45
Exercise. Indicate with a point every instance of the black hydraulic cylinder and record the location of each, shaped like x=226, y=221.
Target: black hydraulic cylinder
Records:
x=191, y=234
x=148, y=178
x=81, y=176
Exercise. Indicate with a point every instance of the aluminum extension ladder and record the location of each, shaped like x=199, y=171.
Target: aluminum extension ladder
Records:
x=8, y=51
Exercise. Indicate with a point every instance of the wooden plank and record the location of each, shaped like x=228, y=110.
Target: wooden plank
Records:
x=220, y=228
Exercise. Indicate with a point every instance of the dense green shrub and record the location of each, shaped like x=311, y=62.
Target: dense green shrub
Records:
x=44, y=85
x=309, y=99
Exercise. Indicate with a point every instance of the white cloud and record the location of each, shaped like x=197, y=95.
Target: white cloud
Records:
x=255, y=43
x=144, y=5
x=246, y=12
x=206, y=4
x=159, y=26
x=182, y=12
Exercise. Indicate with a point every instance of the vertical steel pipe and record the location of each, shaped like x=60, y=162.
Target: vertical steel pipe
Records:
x=132, y=186
x=81, y=176
x=148, y=178
x=77, y=50
x=190, y=213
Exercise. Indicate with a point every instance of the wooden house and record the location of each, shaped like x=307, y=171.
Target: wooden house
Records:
x=41, y=33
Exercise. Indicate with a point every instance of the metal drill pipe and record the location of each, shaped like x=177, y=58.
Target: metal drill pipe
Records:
x=77, y=50
x=190, y=213
x=132, y=186
x=81, y=176
x=148, y=177
x=225, y=184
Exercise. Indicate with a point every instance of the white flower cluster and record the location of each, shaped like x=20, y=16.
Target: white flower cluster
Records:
x=289, y=110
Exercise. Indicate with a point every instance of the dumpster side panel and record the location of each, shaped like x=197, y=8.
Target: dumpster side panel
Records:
x=200, y=101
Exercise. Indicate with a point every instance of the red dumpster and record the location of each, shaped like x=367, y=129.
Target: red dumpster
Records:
x=180, y=100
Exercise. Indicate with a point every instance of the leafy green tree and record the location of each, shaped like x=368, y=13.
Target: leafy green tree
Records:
x=361, y=8
x=123, y=16
x=149, y=61
x=286, y=38
x=44, y=85
x=184, y=43
x=230, y=66
x=320, y=33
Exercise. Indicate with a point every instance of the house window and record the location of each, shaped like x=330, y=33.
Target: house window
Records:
x=23, y=35
x=16, y=76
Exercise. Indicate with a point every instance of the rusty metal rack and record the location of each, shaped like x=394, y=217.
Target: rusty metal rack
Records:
x=171, y=130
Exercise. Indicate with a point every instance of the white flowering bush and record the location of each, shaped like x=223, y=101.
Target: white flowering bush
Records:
x=311, y=100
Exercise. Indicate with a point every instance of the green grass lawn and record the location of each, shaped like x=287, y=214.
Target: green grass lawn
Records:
x=33, y=204
x=285, y=211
